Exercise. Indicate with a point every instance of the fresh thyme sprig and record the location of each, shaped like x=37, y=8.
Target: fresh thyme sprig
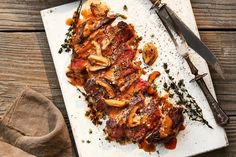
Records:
x=188, y=103
x=66, y=45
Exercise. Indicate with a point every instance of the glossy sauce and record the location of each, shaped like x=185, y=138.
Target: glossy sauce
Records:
x=172, y=144
x=69, y=21
x=182, y=127
x=166, y=104
x=86, y=13
x=147, y=147
x=113, y=112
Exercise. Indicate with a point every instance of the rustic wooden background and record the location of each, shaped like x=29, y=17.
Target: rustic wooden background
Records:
x=25, y=56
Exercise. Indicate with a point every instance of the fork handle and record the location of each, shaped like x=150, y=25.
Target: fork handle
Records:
x=220, y=116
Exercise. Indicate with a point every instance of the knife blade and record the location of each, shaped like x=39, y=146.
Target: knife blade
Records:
x=220, y=116
x=164, y=13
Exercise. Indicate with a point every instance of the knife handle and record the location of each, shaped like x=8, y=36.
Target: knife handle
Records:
x=219, y=115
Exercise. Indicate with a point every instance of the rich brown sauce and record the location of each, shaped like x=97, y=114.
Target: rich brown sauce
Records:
x=182, y=127
x=172, y=144
x=147, y=147
x=113, y=112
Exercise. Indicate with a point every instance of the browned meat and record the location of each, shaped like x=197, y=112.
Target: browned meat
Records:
x=88, y=27
x=115, y=131
x=136, y=134
x=170, y=126
x=177, y=117
x=104, y=64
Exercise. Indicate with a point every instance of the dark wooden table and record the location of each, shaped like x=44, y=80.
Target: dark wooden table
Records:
x=25, y=57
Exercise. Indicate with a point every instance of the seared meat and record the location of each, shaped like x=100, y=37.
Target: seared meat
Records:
x=104, y=64
x=136, y=134
x=154, y=125
x=169, y=127
x=115, y=131
x=177, y=117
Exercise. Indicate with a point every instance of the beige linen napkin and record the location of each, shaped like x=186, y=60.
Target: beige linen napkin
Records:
x=33, y=126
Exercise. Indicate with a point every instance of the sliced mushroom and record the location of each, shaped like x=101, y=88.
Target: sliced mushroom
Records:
x=99, y=60
x=110, y=75
x=105, y=43
x=115, y=103
x=98, y=48
x=108, y=88
x=149, y=53
x=134, y=119
x=95, y=68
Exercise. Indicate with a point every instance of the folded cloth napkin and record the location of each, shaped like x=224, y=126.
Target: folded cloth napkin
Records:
x=34, y=127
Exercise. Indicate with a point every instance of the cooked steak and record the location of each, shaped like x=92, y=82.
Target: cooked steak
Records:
x=104, y=64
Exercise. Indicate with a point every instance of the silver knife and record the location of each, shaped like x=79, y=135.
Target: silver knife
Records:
x=164, y=12
x=219, y=115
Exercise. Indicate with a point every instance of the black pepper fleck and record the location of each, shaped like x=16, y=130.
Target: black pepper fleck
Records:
x=88, y=141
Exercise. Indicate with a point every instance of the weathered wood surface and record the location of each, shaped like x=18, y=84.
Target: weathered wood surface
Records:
x=215, y=14
x=24, y=14
x=223, y=44
x=25, y=57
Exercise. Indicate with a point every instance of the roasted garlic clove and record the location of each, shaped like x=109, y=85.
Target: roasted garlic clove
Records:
x=134, y=119
x=149, y=53
x=99, y=60
x=108, y=88
x=115, y=103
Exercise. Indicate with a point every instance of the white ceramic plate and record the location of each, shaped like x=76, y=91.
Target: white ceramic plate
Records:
x=195, y=139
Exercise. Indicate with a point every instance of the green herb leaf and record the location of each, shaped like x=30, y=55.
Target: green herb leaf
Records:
x=181, y=83
x=171, y=78
x=167, y=71
x=87, y=113
x=121, y=15
x=165, y=85
x=125, y=7
x=138, y=39
x=165, y=66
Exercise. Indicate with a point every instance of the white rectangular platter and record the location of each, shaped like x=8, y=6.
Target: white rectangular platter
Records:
x=195, y=139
